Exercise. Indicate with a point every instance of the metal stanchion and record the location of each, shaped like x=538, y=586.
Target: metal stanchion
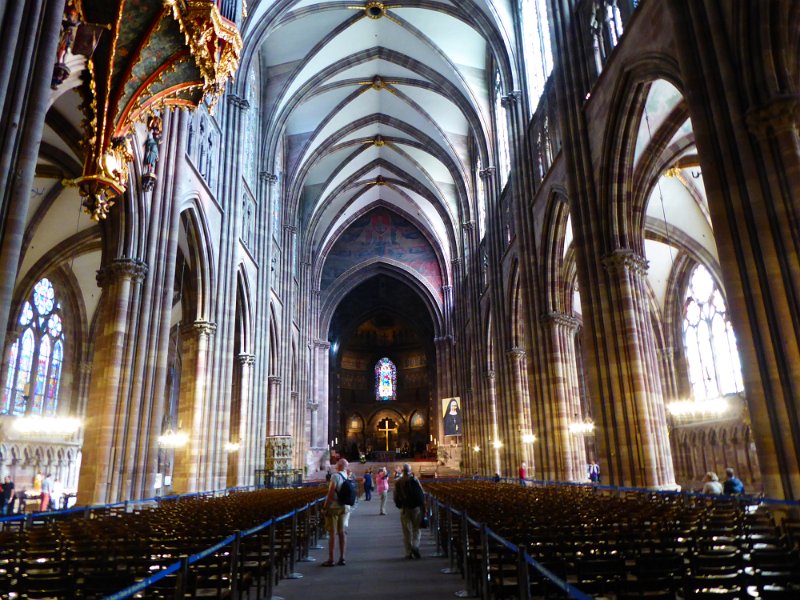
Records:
x=183, y=576
x=272, y=558
x=523, y=574
x=293, y=550
x=235, y=547
x=319, y=523
x=435, y=523
x=464, y=542
x=451, y=570
x=485, y=588
x=306, y=548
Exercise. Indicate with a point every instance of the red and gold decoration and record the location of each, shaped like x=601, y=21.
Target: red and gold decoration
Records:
x=157, y=54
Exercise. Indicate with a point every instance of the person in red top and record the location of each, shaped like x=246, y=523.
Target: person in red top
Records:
x=523, y=473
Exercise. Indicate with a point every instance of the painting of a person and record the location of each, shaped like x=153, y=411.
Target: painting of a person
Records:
x=452, y=418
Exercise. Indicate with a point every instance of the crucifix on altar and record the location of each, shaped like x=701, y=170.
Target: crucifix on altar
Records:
x=387, y=426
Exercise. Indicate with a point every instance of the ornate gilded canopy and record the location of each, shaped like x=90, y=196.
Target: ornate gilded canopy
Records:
x=155, y=54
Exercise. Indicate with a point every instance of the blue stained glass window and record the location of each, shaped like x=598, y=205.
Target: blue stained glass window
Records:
x=9, y=389
x=41, y=347
x=44, y=296
x=41, y=376
x=24, y=373
x=385, y=380
x=51, y=398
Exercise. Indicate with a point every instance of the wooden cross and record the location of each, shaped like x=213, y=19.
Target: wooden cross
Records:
x=386, y=429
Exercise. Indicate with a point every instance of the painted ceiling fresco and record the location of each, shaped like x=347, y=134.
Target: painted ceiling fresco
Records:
x=382, y=233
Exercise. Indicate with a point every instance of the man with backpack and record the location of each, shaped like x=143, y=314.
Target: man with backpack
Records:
x=410, y=499
x=341, y=497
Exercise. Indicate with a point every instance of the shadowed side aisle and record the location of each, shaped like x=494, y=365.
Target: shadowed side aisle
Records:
x=376, y=567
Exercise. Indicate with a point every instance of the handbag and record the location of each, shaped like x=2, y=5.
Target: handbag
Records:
x=423, y=522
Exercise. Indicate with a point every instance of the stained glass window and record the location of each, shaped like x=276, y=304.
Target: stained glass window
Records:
x=711, y=353
x=385, y=380
x=36, y=358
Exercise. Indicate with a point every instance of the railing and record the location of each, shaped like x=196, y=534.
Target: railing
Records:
x=486, y=560
x=176, y=577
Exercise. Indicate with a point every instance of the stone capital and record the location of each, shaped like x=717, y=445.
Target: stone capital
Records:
x=510, y=99
x=246, y=359
x=85, y=368
x=456, y=262
x=312, y=405
x=131, y=268
x=268, y=177
x=322, y=344
x=490, y=375
x=516, y=354
x=625, y=259
x=238, y=102
x=290, y=229
x=487, y=173
x=560, y=318
x=204, y=328
x=779, y=114
x=274, y=379
x=469, y=225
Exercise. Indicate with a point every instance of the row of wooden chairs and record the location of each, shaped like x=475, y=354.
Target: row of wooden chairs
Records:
x=91, y=555
x=621, y=546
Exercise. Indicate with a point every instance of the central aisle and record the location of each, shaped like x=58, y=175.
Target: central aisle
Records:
x=376, y=567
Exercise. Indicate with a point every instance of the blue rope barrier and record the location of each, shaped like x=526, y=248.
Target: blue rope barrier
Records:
x=138, y=587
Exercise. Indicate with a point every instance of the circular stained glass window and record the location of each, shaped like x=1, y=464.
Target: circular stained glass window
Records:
x=44, y=296
x=27, y=314
x=54, y=326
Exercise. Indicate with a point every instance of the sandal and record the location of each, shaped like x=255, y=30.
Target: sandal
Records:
x=327, y=563
x=341, y=562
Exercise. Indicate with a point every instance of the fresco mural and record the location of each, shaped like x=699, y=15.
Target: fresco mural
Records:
x=382, y=233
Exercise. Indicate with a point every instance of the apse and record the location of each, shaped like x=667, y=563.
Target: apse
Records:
x=382, y=372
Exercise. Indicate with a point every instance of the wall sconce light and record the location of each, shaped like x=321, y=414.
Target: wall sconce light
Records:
x=476, y=448
x=582, y=427
x=497, y=444
x=232, y=447
x=173, y=439
x=528, y=438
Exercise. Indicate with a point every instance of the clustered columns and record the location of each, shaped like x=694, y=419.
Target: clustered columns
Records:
x=320, y=358
x=518, y=419
x=248, y=427
x=191, y=462
x=567, y=450
x=743, y=98
x=634, y=421
x=493, y=425
x=106, y=425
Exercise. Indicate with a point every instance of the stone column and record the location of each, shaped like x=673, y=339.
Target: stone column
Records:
x=246, y=434
x=192, y=462
x=273, y=402
x=641, y=445
x=105, y=423
x=495, y=426
x=741, y=89
x=523, y=451
x=28, y=41
x=319, y=368
x=569, y=449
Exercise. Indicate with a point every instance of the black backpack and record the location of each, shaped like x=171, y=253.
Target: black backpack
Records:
x=347, y=492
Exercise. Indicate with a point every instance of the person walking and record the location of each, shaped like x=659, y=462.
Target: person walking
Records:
x=382, y=488
x=337, y=516
x=47, y=491
x=732, y=485
x=368, y=485
x=523, y=474
x=7, y=496
x=409, y=497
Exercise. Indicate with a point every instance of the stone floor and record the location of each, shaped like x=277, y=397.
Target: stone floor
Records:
x=376, y=568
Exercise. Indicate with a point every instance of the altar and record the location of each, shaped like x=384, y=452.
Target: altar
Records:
x=383, y=456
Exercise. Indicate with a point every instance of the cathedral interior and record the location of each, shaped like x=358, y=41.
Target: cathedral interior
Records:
x=239, y=239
